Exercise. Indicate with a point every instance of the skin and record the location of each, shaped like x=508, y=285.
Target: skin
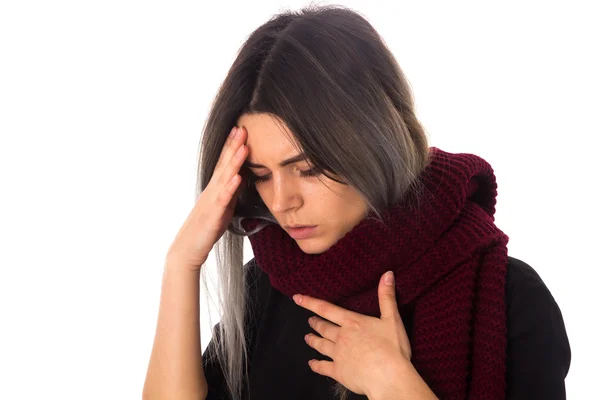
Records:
x=371, y=356
x=294, y=199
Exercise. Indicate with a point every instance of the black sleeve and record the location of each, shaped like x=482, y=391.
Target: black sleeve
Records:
x=217, y=385
x=539, y=354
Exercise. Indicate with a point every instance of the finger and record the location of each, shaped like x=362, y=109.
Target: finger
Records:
x=225, y=196
x=237, y=184
x=387, y=296
x=325, y=309
x=322, y=367
x=226, y=146
x=233, y=188
x=243, y=181
x=322, y=345
x=324, y=328
x=231, y=147
x=234, y=165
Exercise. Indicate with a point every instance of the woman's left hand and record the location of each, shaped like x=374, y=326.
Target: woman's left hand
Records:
x=371, y=356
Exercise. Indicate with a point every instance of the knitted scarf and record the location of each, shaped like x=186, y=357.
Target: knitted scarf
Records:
x=450, y=263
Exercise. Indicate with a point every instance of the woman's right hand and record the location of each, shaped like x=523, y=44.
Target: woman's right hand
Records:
x=213, y=211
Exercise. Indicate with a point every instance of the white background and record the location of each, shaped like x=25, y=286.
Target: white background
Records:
x=101, y=108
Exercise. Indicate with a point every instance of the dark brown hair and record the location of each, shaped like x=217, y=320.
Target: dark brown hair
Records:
x=327, y=74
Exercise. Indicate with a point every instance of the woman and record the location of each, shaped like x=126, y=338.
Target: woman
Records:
x=408, y=282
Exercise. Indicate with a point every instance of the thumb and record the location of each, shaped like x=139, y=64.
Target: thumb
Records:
x=387, y=296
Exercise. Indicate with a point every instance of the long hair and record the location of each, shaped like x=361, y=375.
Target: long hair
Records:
x=327, y=74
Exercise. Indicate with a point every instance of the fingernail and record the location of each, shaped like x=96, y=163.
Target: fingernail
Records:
x=297, y=298
x=388, y=279
x=234, y=132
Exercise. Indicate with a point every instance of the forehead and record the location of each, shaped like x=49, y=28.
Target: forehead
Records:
x=269, y=139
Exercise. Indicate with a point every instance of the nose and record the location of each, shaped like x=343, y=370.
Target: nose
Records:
x=285, y=195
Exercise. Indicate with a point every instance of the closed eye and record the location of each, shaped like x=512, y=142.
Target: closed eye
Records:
x=304, y=174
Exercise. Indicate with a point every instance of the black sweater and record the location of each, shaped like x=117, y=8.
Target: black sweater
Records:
x=539, y=353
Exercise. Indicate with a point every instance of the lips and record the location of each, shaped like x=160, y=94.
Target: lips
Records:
x=303, y=232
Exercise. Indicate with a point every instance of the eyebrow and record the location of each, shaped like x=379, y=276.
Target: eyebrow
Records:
x=295, y=159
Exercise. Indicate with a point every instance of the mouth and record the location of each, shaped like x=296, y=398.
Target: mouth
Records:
x=301, y=231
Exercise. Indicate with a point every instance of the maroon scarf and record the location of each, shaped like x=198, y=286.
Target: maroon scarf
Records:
x=449, y=261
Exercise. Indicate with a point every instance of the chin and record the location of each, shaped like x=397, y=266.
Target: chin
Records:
x=313, y=246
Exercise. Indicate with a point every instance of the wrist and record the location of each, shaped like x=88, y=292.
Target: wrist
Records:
x=175, y=264
x=384, y=386
x=400, y=382
x=173, y=267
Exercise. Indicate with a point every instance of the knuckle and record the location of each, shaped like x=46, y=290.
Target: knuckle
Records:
x=223, y=197
x=318, y=323
x=353, y=324
x=320, y=346
x=388, y=296
x=322, y=308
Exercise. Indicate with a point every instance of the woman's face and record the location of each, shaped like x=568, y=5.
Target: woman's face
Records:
x=291, y=194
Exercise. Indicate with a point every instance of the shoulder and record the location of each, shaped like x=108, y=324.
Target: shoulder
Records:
x=539, y=353
x=252, y=274
x=258, y=287
x=522, y=277
x=530, y=304
x=528, y=298
x=256, y=280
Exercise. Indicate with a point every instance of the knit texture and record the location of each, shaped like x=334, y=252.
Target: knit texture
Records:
x=450, y=263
